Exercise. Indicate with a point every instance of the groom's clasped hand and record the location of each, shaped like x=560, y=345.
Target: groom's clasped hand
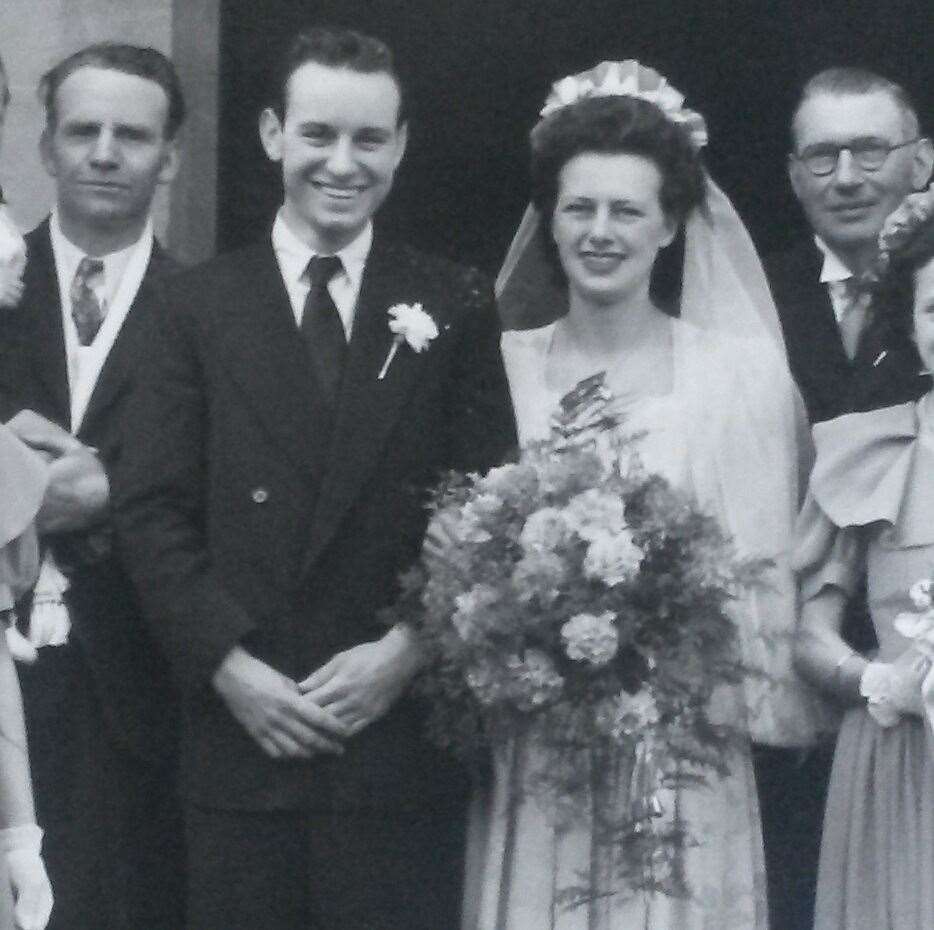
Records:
x=273, y=710
x=335, y=702
x=359, y=685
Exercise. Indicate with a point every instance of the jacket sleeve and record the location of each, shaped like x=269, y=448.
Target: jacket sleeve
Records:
x=159, y=505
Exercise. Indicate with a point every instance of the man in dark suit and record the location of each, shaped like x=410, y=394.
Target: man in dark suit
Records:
x=291, y=441
x=856, y=153
x=100, y=707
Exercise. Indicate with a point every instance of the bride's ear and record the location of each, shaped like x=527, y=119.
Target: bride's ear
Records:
x=671, y=231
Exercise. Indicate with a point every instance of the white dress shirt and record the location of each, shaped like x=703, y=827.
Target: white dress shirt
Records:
x=116, y=290
x=851, y=315
x=293, y=256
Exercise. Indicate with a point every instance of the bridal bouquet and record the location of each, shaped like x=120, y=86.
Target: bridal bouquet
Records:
x=575, y=599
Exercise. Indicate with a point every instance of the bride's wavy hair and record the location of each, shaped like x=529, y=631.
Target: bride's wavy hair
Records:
x=618, y=125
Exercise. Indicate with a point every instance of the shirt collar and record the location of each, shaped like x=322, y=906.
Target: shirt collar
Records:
x=833, y=270
x=294, y=254
x=68, y=256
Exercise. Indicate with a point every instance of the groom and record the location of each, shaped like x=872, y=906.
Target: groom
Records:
x=277, y=488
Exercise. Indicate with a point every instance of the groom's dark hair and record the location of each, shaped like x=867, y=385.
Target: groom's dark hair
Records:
x=334, y=48
x=855, y=82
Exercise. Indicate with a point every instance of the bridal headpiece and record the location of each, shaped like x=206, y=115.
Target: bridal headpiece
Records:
x=627, y=79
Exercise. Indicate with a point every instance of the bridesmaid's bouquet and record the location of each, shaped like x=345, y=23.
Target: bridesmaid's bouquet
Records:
x=575, y=599
x=917, y=627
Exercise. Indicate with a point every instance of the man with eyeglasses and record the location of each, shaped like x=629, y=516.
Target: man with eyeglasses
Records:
x=857, y=151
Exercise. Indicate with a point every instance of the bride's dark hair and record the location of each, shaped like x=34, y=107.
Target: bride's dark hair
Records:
x=617, y=125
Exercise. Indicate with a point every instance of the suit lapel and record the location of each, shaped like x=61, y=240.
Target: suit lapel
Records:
x=48, y=344
x=368, y=407
x=264, y=353
x=124, y=356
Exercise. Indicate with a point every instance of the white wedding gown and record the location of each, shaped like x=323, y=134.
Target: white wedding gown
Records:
x=519, y=859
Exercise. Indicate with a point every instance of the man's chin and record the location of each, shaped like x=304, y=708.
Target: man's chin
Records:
x=844, y=236
x=335, y=232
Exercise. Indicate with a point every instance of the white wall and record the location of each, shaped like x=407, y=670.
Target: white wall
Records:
x=34, y=35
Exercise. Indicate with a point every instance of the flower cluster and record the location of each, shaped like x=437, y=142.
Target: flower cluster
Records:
x=901, y=226
x=575, y=595
x=918, y=626
x=627, y=79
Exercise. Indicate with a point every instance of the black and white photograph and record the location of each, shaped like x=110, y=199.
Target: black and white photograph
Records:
x=466, y=465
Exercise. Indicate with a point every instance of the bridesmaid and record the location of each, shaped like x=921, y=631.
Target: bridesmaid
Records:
x=25, y=895
x=24, y=886
x=871, y=512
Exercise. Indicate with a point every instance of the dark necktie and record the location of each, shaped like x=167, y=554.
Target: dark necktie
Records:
x=322, y=326
x=86, y=309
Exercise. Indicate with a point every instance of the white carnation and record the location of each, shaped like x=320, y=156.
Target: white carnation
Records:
x=594, y=513
x=920, y=594
x=544, y=530
x=591, y=638
x=612, y=559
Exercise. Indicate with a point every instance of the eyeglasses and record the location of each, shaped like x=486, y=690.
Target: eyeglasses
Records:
x=869, y=155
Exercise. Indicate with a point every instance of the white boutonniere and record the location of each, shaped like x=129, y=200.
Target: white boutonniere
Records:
x=410, y=324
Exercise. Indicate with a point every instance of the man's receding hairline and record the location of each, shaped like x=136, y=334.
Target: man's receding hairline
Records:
x=910, y=119
x=52, y=111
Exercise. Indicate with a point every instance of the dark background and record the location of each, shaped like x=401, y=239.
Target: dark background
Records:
x=478, y=72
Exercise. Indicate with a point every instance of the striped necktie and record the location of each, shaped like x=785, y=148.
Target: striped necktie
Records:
x=86, y=309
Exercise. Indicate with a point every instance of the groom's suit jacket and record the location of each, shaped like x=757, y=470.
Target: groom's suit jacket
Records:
x=885, y=369
x=131, y=678
x=257, y=516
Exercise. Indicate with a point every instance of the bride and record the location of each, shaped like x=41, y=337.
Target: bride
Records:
x=616, y=176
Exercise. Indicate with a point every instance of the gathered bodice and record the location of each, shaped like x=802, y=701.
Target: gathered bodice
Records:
x=658, y=418
x=724, y=434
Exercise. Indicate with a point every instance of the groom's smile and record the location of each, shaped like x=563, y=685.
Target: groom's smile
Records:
x=339, y=143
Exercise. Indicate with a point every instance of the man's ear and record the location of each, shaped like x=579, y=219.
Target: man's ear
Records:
x=923, y=164
x=170, y=161
x=45, y=151
x=402, y=140
x=270, y=134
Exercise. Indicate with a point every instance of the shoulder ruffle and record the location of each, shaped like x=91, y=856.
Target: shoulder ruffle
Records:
x=871, y=467
x=23, y=477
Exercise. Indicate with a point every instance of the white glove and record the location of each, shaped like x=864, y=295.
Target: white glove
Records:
x=894, y=688
x=32, y=892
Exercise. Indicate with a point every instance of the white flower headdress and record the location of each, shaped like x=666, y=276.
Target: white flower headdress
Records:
x=627, y=79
